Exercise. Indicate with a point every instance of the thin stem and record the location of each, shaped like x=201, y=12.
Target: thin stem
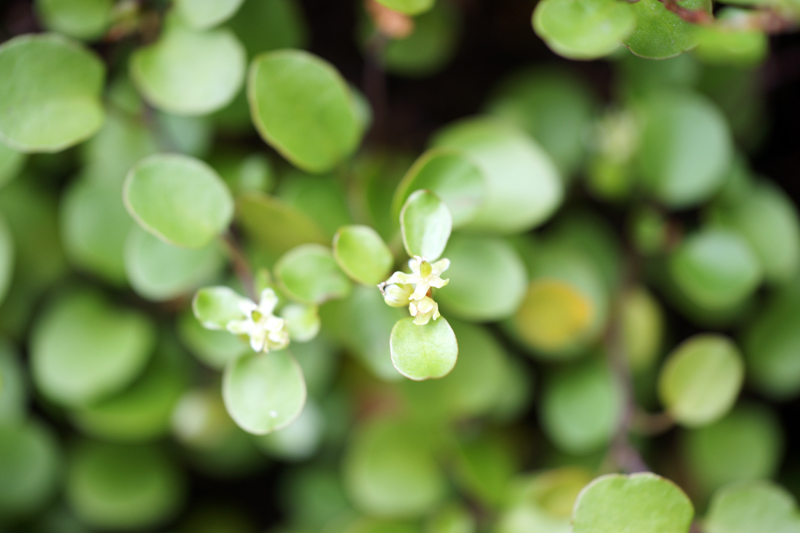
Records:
x=241, y=267
x=766, y=20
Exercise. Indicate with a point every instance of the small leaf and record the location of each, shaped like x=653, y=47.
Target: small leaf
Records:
x=659, y=33
x=362, y=254
x=752, y=506
x=84, y=350
x=214, y=307
x=726, y=46
x=205, y=14
x=639, y=503
x=303, y=108
x=583, y=29
x=81, y=19
x=425, y=222
x=178, y=199
x=190, y=73
x=409, y=7
x=54, y=102
x=449, y=175
x=302, y=321
x=264, y=392
x=276, y=224
x=309, y=274
x=423, y=352
x=701, y=379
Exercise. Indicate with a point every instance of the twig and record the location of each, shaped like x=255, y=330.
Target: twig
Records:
x=240, y=265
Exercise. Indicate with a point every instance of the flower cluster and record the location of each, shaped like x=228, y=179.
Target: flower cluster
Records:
x=413, y=289
x=265, y=330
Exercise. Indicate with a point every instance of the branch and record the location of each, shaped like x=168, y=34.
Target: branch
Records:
x=695, y=16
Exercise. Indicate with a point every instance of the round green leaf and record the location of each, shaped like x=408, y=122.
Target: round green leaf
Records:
x=178, y=199
x=685, y=149
x=81, y=19
x=425, y=223
x=275, y=224
x=659, y=33
x=54, y=101
x=487, y=278
x=451, y=176
x=214, y=307
x=715, y=269
x=746, y=444
x=362, y=254
x=423, y=352
x=701, y=379
x=190, y=73
x=6, y=259
x=273, y=25
x=11, y=163
x=303, y=108
x=409, y=7
x=390, y=470
x=729, y=46
x=204, y=14
x=752, y=506
x=302, y=321
x=213, y=348
x=523, y=188
x=583, y=29
x=122, y=487
x=84, y=350
x=264, y=392
x=639, y=503
x=13, y=385
x=30, y=467
x=309, y=274
x=159, y=271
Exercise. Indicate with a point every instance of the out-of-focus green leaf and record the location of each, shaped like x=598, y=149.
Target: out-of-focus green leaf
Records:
x=425, y=223
x=362, y=254
x=423, y=351
x=81, y=19
x=323, y=198
x=7, y=256
x=752, y=506
x=213, y=348
x=204, y=14
x=409, y=7
x=121, y=143
x=302, y=321
x=13, y=385
x=265, y=25
x=309, y=274
x=485, y=467
x=642, y=327
x=54, y=101
x=299, y=440
x=275, y=224
x=719, y=44
x=11, y=163
x=178, y=199
x=214, y=307
x=660, y=34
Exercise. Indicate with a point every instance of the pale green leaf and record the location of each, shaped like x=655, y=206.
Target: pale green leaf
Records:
x=11, y=163
x=300, y=440
x=205, y=14
x=362, y=254
x=275, y=224
x=214, y=307
x=214, y=348
x=302, y=321
x=81, y=19
x=423, y=351
x=309, y=274
x=752, y=506
x=425, y=223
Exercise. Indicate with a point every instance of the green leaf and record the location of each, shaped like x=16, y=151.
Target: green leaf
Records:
x=686, y=147
x=323, y=198
x=94, y=225
x=425, y=223
x=13, y=385
x=362, y=254
x=523, y=188
x=205, y=14
x=581, y=406
x=178, y=199
x=660, y=34
x=159, y=271
x=84, y=350
x=298, y=441
x=264, y=392
x=390, y=469
x=639, y=503
x=7, y=257
x=303, y=108
x=423, y=352
x=583, y=29
x=746, y=444
x=487, y=278
x=122, y=487
x=212, y=348
x=409, y=7
x=245, y=173
x=187, y=72
x=30, y=467
x=701, y=379
x=54, y=101
x=271, y=25
x=727, y=46
x=276, y=224
x=752, y=506
x=484, y=467
x=715, y=269
x=642, y=327
x=81, y=19
x=449, y=175
x=309, y=274
x=11, y=163
x=214, y=307
x=302, y=321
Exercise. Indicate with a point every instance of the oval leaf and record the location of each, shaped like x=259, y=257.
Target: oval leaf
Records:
x=178, y=199
x=81, y=19
x=659, y=33
x=425, y=222
x=423, y=352
x=264, y=392
x=362, y=254
x=275, y=224
x=214, y=307
x=204, y=14
x=309, y=274
x=752, y=506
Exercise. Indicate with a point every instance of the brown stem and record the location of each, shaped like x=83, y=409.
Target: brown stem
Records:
x=695, y=16
x=240, y=265
x=650, y=424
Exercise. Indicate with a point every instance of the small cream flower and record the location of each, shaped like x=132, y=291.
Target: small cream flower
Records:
x=265, y=330
x=412, y=289
x=424, y=310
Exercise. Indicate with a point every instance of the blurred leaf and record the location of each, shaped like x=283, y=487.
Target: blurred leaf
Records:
x=11, y=163
x=309, y=274
x=187, y=72
x=452, y=518
x=275, y=224
x=425, y=223
x=7, y=256
x=212, y=348
x=81, y=19
x=178, y=199
x=205, y=14
x=54, y=102
x=725, y=45
x=214, y=307
x=660, y=34
x=245, y=173
x=523, y=188
x=265, y=25
x=362, y=254
x=701, y=379
x=423, y=351
x=323, y=198
x=122, y=487
x=484, y=468
x=13, y=386
x=637, y=503
x=187, y=135
x=487, y=278
x=264, y=392
x=303, y=108
x=302, y=321
x=583, y=29
x=121, y=143
x=298, y=441
x=409, y=7
x=84, y=350
x=752, y=506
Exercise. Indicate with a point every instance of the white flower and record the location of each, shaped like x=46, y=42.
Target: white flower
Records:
x=265, y=330
x=424, y=310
